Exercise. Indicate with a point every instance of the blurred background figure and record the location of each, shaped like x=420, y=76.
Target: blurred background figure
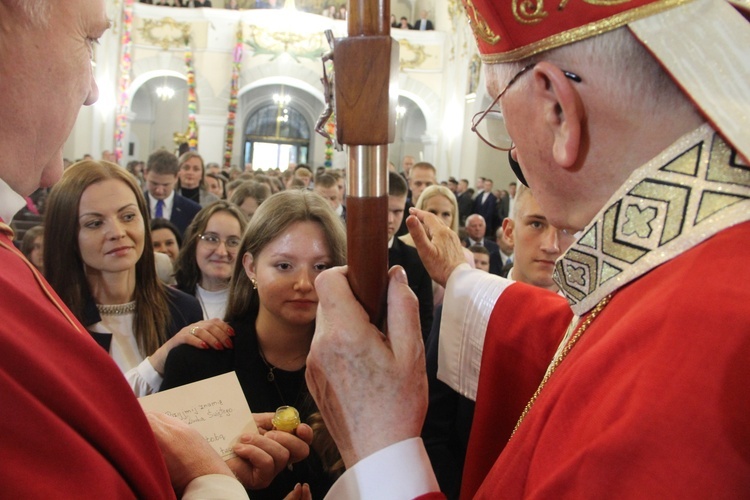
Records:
x=215, y=185
x=166, y=238
x=481, y=257
x=32, y=246
x=190, y=182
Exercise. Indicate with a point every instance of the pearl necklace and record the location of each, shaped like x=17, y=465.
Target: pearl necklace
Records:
x=117, y=309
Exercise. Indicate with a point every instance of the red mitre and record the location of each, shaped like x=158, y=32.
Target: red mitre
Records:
x=511, y=30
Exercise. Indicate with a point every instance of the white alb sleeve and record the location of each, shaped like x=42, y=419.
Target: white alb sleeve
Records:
x=470, y=296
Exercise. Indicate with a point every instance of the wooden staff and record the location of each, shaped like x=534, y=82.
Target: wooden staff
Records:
x=366, y=72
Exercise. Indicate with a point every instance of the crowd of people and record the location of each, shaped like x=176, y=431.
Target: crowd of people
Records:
x=555, y=339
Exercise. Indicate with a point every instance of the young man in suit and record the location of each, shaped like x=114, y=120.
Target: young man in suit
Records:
x=465, y=203
x=401, y=254
x=485, y=204
x=163, y=202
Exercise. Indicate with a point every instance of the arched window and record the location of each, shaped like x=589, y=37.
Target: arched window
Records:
x=276, y=135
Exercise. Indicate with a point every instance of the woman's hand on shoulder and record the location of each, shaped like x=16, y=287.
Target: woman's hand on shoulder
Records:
x=206, y=334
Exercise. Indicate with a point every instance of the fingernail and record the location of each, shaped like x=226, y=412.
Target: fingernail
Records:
x=204, y=345
x=401, y=276
x=218, y=345
x=229, y=343
x=231, y=331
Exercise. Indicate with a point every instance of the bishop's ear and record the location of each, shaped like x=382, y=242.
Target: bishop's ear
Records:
x=562, y=110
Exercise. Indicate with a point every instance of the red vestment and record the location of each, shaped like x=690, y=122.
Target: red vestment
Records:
x=651, y=402
x=71, y=425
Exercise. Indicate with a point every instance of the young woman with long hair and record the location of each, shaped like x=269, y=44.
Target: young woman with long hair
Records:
x=291, y=239
x=99, y=259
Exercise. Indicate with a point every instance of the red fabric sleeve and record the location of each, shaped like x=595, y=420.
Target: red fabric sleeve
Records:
x=524, y=331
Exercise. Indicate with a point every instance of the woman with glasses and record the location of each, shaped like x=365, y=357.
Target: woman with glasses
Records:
x=96, y=232
x=205, y=262
x=290, y=240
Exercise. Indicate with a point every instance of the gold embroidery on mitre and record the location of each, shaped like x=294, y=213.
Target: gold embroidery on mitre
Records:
x=580, y=33
x=687, y=194
x=478, y=25
x=529, y=11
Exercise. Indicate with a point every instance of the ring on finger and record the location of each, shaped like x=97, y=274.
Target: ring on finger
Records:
x=193, y=330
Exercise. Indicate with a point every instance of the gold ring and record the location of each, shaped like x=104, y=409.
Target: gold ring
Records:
x=193, y=330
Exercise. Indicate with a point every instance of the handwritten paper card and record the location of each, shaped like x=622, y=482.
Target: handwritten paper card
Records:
x=216, y=407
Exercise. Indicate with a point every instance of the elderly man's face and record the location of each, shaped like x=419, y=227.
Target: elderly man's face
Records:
x=31, y=70
x=476, y=227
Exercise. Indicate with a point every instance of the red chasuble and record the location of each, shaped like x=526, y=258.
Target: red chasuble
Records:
x=71, y=426
x=651, y=402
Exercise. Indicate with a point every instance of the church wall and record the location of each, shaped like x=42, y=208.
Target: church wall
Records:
x=283, y=48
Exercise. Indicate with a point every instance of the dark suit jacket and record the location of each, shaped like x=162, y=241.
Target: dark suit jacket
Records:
x=418, y=25
x=184, y=310
x=496, y=266
x=183, y=211
x=465, y=204
x=448, y=422
x=488, y=210
x=503, y=209
x=402, y=230
x=401, y=254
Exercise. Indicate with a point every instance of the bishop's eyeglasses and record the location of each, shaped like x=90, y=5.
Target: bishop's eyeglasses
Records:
x=495, y=110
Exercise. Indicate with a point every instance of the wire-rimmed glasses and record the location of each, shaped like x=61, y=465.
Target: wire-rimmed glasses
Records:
x=213, y=240
x=492, y=109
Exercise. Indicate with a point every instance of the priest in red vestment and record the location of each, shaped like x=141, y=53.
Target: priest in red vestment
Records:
x=630, y=124
x=71, y=426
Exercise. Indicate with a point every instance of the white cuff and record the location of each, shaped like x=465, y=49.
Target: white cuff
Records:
x=215, y=486
x=144, y=379
x=399, y=471
x=470, y=297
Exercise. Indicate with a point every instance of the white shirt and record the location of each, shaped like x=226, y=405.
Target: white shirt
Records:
x=10, y=202
x=214, y=304
x=138, y=371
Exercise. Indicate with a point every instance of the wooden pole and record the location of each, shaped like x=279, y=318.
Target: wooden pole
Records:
x=366, y=72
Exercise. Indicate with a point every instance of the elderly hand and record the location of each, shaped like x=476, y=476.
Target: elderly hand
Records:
x=260, y=457
x=438, y=246
x=371, y=389
x=186, y=453
x=212, y=333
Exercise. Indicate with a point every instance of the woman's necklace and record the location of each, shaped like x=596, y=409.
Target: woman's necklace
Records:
x=116, y=310
x=271, y=378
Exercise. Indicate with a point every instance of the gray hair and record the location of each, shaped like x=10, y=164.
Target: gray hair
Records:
x=614, y=61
